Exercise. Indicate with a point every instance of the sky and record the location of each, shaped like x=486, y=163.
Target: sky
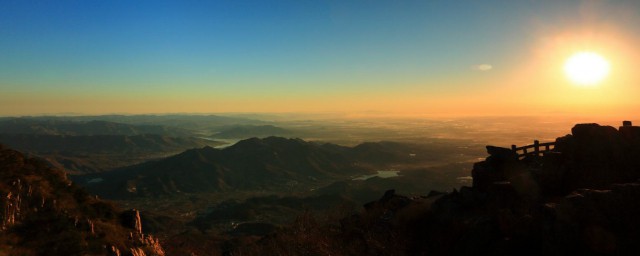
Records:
x=422, y=58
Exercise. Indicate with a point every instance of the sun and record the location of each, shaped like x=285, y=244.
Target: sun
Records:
x=586, y=68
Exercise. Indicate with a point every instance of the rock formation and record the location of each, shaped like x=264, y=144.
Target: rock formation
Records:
x=43, y=213
x=132, y=219
x=593, y=156
x=580, y=197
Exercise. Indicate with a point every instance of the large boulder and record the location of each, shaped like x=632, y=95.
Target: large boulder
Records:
x=591, y=130
x=500, y=154
x=500, y=165
x=596, y=156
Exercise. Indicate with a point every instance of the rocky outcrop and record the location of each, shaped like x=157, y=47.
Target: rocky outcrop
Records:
x=11, y=205
x=592, y=156
x=43, y=213
x=132, y=219
x=596, y=156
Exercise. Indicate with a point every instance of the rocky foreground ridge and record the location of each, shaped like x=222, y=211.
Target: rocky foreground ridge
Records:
x=583, y=197
x=580, y=198
x=43, y=213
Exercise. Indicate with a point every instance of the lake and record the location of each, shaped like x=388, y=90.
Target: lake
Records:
x=381, y=174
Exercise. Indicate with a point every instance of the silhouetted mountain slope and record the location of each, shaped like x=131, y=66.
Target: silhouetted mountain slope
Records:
x=249, y=131
x=44, y=214
x=93, y=127
x=249, y=164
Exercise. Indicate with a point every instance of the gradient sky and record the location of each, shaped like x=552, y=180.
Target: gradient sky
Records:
x=430, y=57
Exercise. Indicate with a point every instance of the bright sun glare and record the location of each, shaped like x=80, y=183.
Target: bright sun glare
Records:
x=586, y=68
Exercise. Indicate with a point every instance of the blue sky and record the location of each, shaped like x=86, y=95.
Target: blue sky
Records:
x=273, y=50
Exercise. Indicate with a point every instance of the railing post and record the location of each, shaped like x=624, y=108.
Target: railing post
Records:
x=513, y=147
x=536, y=146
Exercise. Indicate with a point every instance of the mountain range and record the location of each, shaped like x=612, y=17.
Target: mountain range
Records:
x=268, y=164
x=84, y=145
x=578, y=196
x=94, y=127
x=251, y=164
x=80, y=154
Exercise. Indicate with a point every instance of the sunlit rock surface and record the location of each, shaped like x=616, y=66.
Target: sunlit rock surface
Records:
x=43, y=213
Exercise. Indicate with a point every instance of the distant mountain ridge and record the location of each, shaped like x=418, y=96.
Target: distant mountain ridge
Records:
x=80, y=128
x=183, y=121
x=95, y=153
x=98, y=143
x=248, y=131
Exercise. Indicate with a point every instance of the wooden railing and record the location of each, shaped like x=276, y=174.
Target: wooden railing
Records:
x=535, y=149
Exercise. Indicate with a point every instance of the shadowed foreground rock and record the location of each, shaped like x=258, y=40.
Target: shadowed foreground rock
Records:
x=581, y=197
